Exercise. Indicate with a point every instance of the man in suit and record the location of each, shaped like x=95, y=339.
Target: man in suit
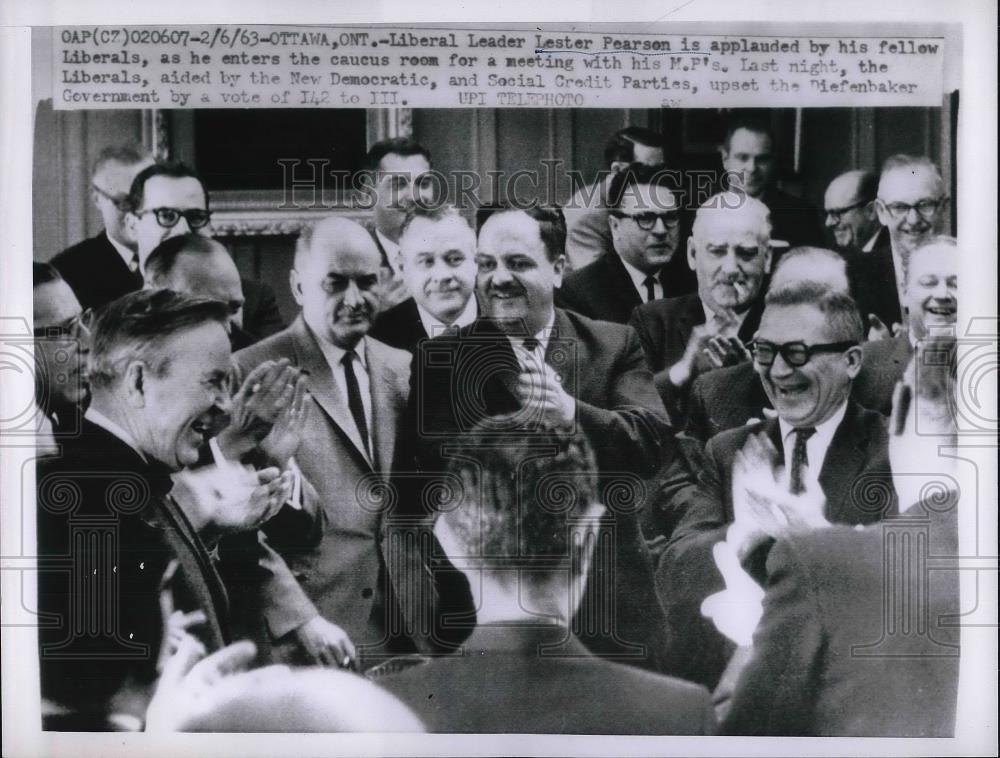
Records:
x=750, y=167
x=644, y=219
x=158, y=369
x=684, y=336
x=540, y=363
x=858, y=635
x=911, y=204
x=523, y=669
x=395, y=172
x=807, y=353
x=357, y=388
x=849, y=208
x=588, y=236
x=169, y=200
x=106, y=266
x=437, y=261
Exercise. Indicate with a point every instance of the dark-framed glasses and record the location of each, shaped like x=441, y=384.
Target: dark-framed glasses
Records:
x=836, y=213
x=795, y=353
x=168, y=218
x=71, y=327
x=119, y=201
x=926, y=209
x=647, y=221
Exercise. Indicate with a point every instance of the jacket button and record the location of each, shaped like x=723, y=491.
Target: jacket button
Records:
x=366, y=593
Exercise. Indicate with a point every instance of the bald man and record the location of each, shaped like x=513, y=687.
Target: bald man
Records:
x=849, y=209
x=358, y=388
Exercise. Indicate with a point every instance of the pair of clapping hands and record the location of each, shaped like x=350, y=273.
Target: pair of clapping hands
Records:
x=716, y=342
x=541, y=393
x=763, y=508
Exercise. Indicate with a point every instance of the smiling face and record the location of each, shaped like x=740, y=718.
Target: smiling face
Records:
x=336, y=282
x=60, y=360
x=851, y=221
x=647, y=250
x=183, y=193
x=516, y=280
x=749, y=158
x=439, y=265
x=806, y=395
x=908, y=185
x=181, y=406
x=932, y=290
x=729, y=253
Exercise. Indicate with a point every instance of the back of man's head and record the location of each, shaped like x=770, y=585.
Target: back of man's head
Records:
x=621, y=147
x=163, y=261
x=812, y=264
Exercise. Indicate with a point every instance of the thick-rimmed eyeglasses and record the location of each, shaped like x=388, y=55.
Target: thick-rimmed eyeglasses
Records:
x=70, y=328
x=119, y=201
x=836, y=213
x=926, y=209
x=795, y=353
x=647, y=221
x=168, y=218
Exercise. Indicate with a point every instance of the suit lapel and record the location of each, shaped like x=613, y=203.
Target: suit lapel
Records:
x=384, y=410
x=845, y=459
x=627, y=296
x=322, y=387
x=690, y=315
x=562, y=353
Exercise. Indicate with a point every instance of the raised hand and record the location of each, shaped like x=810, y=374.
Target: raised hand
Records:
x=540, y=391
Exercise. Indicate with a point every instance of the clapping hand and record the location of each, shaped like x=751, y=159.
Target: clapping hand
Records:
x=737, y=609
x=540, y=391
x=258, y=404
x=283, y=440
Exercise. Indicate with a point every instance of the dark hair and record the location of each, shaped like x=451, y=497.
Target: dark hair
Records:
x=134, y=327
x=402, y=146
x=749, y=121
x=634, y=175
x=416, y=211
x=127, y=155
x=843, y=321
x=161, y=261
x=621, y=147
x=43, y=273
x=551, y=225
x=520, y=497
x=172, y=169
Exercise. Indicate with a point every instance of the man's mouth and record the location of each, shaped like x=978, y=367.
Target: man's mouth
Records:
x=944, y=311
x=791, y=391
x=504, y=294
x=202, y=428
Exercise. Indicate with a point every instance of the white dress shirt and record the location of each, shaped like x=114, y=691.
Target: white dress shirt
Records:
x=816, y=446
x=334, y=357
x=639, y=281
x=434, y=326
x=533, y=358
x=126, y=253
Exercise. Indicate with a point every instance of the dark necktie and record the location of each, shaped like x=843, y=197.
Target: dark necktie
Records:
x=133, y=267
x=530, y=344
x=354, y=398
x=800, y=459
x=650, y=282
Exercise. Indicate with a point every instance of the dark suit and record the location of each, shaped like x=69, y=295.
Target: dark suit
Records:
x=504, y=682
x=96, y=272
x=400, y=326
x=855, y=479
x=603, y=290
x=840, y=650
x=107, y=531
x=458, y=381
x=345, y=574
x=874, y=278
x=261, y=317
x=394, y=290
x=793, y=220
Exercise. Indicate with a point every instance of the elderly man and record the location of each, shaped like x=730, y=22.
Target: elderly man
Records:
x=169, y=200
x=106, y=266
x=158, y=369
x=518, y=547
x=437, y=262
x=807, y=353
x=858, y=636
x=750, y=164
x=911, y=205
x=588, y=235
x=543, y=364
x=395, y=172
x=684, y=336
x=357, y=393
x=644, y=218
x=850, y=215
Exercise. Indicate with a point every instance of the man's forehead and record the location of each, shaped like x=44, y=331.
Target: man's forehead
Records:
x=937, y=259
x=729, y=227
x=509, y=232
x=434, y=235
x=396, y=163
x=909, y=183
x=792, y=323
x=749, y=141
x=842, y=191
x=174, y=192
x=117, y=177
x=348, y=257
x=648, y=198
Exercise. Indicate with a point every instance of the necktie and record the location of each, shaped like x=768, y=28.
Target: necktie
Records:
x=800, y=459
x=650, y=282
x=354, y=398
x=133, y=266
x=530, y=344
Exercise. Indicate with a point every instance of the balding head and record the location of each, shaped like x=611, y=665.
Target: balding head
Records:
x=336, y=280
x=849, y=204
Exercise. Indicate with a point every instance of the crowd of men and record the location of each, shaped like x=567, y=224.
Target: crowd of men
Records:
x=624, y=470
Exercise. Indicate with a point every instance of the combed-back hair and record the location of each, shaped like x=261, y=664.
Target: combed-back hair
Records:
x=550, y=219
x=636, y=174
x=127, y=155
x=843, y=322
x=172, y=169
x=161, y=261
x=521, y=494
x=403, y=146
x=750, y=121
x=621, y=146
x=136, y=326
x=416, y=211
x=43, y=273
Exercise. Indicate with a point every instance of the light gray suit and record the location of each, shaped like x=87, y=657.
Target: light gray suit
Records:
x=344, y=574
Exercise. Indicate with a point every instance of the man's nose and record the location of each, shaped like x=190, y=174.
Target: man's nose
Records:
x=223, y=401
x=352, y=295
x=659, y=227
x=501, y=275
x=729, y=263
x=181, y=227
x=831, y=221
x=780, y=367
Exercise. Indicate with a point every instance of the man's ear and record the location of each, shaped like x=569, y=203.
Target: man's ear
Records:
x=854, y=357
x=882, y=213
x=295, y=284
x=559, y=266
x=691, y=250
x=767, y=259
x=134, y=384
x=871, y=213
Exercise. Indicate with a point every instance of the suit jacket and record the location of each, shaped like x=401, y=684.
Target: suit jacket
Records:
x=107, y=532
x=874, y=278
x=261, y=317
x=344, y=574
x=793, y=220
x=96, y=272
x=588, y=235
x=604, y=291
x=504, y=682
x=400, y=326
x=840, y=650
x=601, y=365
x=855, y=479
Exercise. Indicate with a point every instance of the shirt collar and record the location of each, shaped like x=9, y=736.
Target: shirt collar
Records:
x=434, y=326
x=334, y=354
x=639, y=278
x=824, y=431
x=391, y=251
x=542, y=336
x=870, y=244
x=126, y=253
x=96, y=417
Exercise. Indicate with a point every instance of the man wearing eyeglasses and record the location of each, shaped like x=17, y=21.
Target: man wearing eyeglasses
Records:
x=832, y=451
x=169, y=200
x=106, y=266
x=850, y=216
x=645, y=220
x=911, y=205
